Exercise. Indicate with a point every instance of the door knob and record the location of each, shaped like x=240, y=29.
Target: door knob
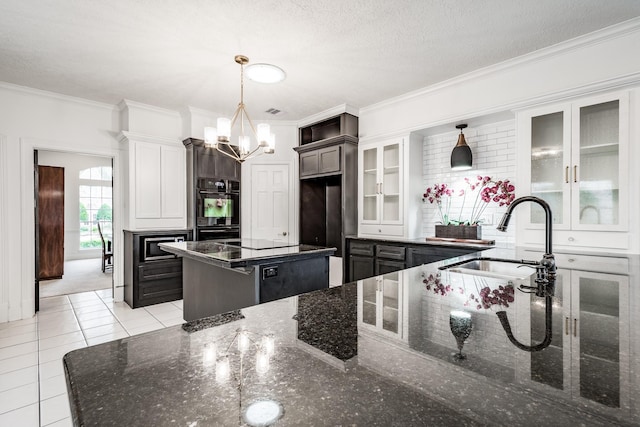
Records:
x=284, y=233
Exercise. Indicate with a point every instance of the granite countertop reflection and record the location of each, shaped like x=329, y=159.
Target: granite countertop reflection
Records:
x=381, y=351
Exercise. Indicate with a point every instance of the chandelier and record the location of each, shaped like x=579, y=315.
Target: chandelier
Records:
x=220, y=137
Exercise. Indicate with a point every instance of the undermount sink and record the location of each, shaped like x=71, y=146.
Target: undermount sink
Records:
x=500, y=268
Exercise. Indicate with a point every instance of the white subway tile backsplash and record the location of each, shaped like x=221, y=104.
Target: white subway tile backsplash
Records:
x=494, y=154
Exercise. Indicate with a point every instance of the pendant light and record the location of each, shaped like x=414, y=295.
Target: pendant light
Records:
x=220, y=137
x=461, y=157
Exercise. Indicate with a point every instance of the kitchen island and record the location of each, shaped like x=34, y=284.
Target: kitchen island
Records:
x=383, y=351
x=224, y=275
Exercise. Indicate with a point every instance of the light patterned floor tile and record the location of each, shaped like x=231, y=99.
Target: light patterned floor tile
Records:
x=18, y=362
x=106, y=338
x=18, y=397
x=18, y=350
x=27, y=416
x=18, y=378
x=58, y=340
x=54, y=409
x=52, y=387
x=103, y=330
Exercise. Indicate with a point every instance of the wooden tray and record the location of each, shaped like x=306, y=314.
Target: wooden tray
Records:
x=445, y=239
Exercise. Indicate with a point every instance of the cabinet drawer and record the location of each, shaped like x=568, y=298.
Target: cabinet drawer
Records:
x=361, y=248
x=390, y=252
x=159, y=270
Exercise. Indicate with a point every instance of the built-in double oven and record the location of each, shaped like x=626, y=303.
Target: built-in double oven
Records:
x=217, y=209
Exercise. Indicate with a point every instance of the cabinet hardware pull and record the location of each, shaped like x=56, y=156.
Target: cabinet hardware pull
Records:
x=566, y=326
x=575, y=173
x=575, y=327
x=566, y=175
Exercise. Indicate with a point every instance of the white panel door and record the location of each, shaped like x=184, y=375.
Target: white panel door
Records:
x=270, y=208
x=173, y=178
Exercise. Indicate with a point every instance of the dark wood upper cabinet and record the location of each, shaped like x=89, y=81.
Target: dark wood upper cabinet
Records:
x=209, y=162
x=328, y=181
x=343, y=124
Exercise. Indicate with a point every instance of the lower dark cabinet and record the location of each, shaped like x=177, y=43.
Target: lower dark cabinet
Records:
x=360, y=267
x=419, y=256
x=368, y=258
x=384, y=266
x=151, y=279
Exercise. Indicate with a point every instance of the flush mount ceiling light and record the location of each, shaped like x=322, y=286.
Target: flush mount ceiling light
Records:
x=461, y=157
x=220, y=137
x=265, y=73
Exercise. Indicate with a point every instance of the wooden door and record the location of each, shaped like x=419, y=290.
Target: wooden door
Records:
x=50, y=222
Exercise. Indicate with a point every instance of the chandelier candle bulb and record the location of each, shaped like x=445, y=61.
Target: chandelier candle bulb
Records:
x=262, y=362
x=208, y=355
x=264, y=133
x=210, y=136
x=224, y=129
x=223, y=369
x=243, y=341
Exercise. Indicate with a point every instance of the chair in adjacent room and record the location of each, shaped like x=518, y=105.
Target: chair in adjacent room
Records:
x=107, y=252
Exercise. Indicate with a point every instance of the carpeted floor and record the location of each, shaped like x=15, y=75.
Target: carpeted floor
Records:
x=79, y=276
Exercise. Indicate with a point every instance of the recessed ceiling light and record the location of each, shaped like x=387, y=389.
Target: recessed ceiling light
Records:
x=264, y=73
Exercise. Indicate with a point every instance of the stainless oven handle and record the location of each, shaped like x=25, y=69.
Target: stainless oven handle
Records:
x=220, y=230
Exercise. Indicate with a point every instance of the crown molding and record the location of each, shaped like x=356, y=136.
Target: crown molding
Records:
x=126, y=137
x=127, y=103
x=593, y=38
x=326, y=114
x=55, y=95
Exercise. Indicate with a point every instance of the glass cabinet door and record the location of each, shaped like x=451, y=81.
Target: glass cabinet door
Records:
x=379, y=305
x=391, y=183
x=550, y=155
x=598, y=341
x=370, y=185
x=548, y=365
x=596, y=164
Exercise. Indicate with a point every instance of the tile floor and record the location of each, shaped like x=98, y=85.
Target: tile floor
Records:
x=32, y=384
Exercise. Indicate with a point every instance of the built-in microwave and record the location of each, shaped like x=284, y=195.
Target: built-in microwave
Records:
x=151, y=251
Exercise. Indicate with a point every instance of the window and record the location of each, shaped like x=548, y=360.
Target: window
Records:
x=96, y=202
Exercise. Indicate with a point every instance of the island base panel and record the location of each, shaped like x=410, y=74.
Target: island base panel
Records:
x=293, y=278
x=209, y=289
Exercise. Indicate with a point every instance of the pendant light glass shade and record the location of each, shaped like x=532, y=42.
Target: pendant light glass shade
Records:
x=461, y=156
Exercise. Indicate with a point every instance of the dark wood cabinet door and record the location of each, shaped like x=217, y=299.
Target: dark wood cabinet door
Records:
x=227, y=168
x=329, y=160
x=384, y=266
x=360, y=267
x=309, y=163
x=50, y=222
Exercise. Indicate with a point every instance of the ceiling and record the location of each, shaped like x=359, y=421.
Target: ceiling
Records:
x=179, y=53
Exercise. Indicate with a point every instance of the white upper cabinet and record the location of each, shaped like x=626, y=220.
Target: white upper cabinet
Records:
x=155, y=180
x=575, y=157
x=380, y=188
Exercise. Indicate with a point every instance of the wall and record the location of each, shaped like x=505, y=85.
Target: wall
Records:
x=494, y=154
x=31, y=120
x=72, y=164
x=596, y=63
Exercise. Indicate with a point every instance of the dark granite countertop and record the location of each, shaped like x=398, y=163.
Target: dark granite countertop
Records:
x=422, y=241
x=235, y=253
x=381, y=351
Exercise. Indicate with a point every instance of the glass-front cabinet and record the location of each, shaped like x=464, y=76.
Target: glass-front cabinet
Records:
x=588, y=357
x=380, y=304
x=575, y=157
x=381, y=188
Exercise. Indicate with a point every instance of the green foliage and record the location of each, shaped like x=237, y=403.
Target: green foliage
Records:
x=84, y=216
x=91, y=244
x=104, y=213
